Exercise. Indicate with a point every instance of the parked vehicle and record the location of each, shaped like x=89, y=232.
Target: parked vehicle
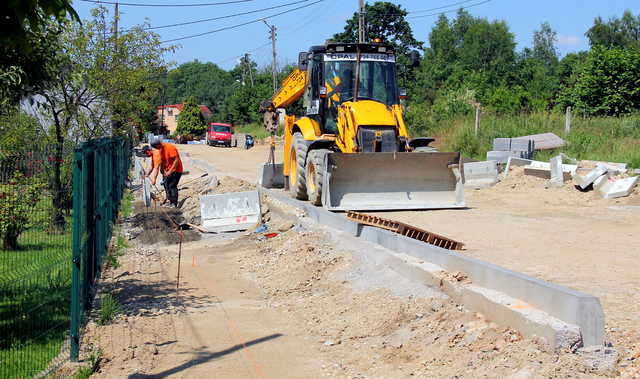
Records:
x=220, y=134
x=248, y=141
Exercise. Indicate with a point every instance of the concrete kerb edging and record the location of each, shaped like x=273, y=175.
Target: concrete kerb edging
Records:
x=524, y=299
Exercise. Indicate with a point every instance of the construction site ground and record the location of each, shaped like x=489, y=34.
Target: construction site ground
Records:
x=311, y=302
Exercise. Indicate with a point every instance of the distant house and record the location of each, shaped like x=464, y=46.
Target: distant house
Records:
x=168, y=115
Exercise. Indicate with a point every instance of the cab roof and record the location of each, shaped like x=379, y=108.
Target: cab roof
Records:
x=332, y=47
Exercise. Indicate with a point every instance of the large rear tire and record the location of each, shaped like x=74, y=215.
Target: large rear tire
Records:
x=297, y=159
x=425, y=149
x=315, y=175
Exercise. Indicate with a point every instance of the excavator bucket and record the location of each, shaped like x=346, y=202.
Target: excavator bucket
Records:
x=387, y=181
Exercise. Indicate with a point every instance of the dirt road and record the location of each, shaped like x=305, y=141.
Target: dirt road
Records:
x=559, y=235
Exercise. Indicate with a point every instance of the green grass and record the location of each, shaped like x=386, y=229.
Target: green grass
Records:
x=256, y=130
x=615, y=139
x=126, y=204
x=116, y=250
x=109, y=309
x=35, y=283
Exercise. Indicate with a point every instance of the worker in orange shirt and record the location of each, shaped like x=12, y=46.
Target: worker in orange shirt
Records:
x=156, y=159
x=171, y=166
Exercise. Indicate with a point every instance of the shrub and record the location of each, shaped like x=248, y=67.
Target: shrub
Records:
x=18, y=197
x=109, y=309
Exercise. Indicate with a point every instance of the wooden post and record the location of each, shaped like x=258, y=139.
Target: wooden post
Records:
x=477, y=123
x=567, y=121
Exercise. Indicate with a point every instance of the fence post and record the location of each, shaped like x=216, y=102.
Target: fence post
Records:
x=477, y=123
x=567, y=121
x=76, y=308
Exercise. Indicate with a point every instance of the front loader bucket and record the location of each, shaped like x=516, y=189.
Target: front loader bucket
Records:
x=386, y=181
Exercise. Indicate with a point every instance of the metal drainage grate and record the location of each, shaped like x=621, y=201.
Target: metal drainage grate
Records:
x=406, y=230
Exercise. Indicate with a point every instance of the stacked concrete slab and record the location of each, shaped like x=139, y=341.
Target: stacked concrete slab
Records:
x=505, y=148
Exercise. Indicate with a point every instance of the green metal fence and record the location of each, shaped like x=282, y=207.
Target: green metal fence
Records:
x=100, y=170
x=35, y=251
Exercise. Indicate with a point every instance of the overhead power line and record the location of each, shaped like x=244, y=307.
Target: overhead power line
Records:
x=290, y=29
x=168, y=5
x=408, y=12
x=450, y=10
x=227, y=16
x=442, y=7
x=242, y=24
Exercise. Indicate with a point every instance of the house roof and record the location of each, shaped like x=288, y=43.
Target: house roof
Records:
x=203, y=108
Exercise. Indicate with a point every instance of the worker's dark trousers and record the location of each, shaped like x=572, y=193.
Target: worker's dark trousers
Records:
x=171, y=187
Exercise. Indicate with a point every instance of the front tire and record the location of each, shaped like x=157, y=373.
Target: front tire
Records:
x=297, y=159
x=315, y=175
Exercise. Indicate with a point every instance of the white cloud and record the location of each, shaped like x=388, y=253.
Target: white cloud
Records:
x=569, y=40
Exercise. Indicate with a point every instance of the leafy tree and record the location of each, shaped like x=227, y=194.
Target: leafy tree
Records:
x=22, y=18
x=386, y=21
x=28, y=43
x=536, y=81
x=18, y=129
x=616, y=32
x=544, y=46
x=206, y=82
x=191, y=123
x=102, y=86
x=609, y=83
x=19, y=195
x=466, y=52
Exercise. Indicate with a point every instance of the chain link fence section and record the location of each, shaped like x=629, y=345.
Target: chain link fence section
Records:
x=35, y=253
x=100, y=170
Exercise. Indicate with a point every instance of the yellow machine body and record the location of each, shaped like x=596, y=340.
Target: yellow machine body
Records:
x=352, y=150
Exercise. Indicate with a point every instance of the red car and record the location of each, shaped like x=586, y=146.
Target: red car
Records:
x=220, y=134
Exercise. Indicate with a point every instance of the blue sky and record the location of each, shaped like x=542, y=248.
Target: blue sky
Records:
x=316, y=23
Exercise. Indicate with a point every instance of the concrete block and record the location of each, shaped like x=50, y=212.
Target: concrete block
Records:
x=514, y=161
x=230, y=211
x=557, y=176
x=271, y=175
x=544, y=141
x=610, y=188
x=612, y=167
x=501, y=156
x=537, y=172
x=480, y=174
x=583, y=181
x=543, y=170
x=502, y=144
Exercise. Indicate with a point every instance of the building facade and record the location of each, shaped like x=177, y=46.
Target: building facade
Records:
x=168, y=116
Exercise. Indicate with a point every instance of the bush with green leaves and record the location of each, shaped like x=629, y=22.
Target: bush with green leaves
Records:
x=18, y=197
x=191, y=122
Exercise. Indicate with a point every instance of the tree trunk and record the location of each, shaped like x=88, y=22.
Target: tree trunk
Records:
x=10, y=242
x=57, y=215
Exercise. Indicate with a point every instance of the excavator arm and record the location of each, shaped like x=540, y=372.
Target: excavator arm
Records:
x=292, y=89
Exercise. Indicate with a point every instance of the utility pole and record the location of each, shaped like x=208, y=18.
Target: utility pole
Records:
x=361, y=27
x=246, y=65
x=274, y=69
x=116, y=17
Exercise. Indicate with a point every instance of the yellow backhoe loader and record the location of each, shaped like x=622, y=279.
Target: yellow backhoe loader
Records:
x=352, y=151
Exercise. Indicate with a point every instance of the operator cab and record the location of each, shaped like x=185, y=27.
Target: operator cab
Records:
x=343, y=72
